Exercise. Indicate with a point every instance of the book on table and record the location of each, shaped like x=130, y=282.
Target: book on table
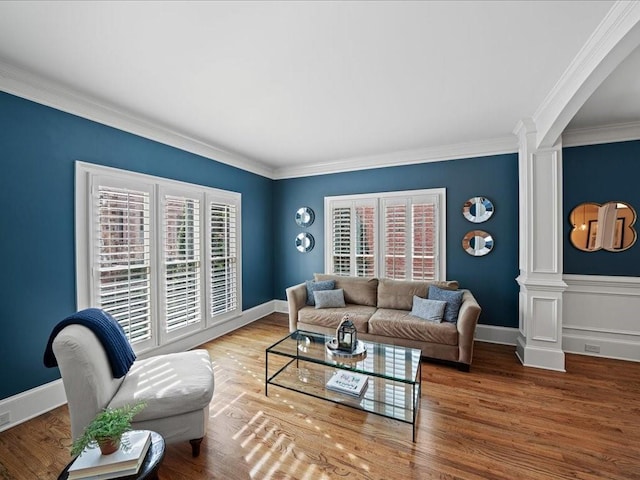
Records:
x=92, y=465
x=351, y=383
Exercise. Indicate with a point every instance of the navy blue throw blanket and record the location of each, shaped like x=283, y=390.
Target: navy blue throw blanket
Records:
x=108, y=331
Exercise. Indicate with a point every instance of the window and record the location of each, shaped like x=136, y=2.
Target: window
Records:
x=224, y=258
x=161, y=256
x=181, y=263
x=398, y=235
x=123, y=258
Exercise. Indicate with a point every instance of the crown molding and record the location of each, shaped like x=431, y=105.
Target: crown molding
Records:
x=24, y=84
x=31, y=87
x=621, y=132
x=613, y=40
x=481, y=148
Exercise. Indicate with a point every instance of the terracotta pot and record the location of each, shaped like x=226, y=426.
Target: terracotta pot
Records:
x=109, y=445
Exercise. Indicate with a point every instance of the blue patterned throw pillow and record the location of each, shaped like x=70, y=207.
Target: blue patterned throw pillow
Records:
x=313, y=286
x=453, y=299
x=430, y=310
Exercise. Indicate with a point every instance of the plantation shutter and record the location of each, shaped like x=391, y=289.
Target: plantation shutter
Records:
x=424, y=236
x=365, y=240
x=410, y=237
x=182, y=266
x=353, y=235
x=396, y=226
x=398, y=235
x=224, y=258
x=123, y=248
x=341, y=222
x=163, y=257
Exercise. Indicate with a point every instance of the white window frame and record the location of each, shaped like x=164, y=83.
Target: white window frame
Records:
x=379, y=198
x=86, y=177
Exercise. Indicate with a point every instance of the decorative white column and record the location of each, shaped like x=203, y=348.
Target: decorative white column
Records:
x=541, y=285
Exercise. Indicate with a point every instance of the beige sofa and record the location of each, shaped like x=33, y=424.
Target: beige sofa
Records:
x=381, y=311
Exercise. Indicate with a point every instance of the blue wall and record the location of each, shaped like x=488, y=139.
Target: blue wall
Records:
x=491, y=278
x=38, y=148
x=601, y=173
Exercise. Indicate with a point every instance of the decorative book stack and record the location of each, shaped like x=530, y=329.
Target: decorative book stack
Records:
x=92, y=465
x=351, y=383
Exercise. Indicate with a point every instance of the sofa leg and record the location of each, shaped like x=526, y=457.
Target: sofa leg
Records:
x=195, y=446
x=464, y=367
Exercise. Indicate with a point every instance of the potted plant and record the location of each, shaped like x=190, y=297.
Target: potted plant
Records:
x=106, y=429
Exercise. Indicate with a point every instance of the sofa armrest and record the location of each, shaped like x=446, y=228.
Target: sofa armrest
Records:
x=467, y=321
x=296, y=299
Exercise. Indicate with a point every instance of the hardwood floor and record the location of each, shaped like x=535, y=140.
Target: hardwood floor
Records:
x=499, y=421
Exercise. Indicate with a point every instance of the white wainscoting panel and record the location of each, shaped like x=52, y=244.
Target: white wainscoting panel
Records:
x=544, y=318
x=602, y=316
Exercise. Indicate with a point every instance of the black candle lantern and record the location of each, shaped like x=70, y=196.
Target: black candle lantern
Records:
x=346, y=335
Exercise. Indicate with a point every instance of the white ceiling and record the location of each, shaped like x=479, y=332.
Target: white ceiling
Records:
x=291, y=84
x=616, y=101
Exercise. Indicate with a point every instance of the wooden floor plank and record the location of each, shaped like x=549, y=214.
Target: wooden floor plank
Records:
x=499, y=421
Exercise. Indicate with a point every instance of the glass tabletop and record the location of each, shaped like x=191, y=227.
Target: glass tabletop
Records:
x=382, y=360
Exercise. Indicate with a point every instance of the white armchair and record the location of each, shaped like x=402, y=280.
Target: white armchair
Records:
x=177, y=388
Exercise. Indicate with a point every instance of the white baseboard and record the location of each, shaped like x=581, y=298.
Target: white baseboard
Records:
x=281, y=306
x=27, y=405
x=494, y=334
x=215, y=331
x=31, y=403
x=618, y=345
x=607, y=348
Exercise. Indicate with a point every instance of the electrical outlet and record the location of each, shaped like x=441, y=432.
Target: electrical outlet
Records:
x=5, y=418
x=591, y=348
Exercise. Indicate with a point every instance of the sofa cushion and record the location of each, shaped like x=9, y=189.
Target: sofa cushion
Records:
x=430, y=310
x=329, y=298
x=357, y=290
x=401, y=324
x=453, y=299
x=398, y=294
x=331, y=317
x=313, y=286
x=182, y=382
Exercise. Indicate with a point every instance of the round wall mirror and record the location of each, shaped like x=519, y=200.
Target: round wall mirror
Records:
x=477, y=209
x=608, y=227
x=305, y=242
x=477, y=243
x=305, y=216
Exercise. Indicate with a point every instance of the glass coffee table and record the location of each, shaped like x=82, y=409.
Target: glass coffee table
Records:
x=304, y=364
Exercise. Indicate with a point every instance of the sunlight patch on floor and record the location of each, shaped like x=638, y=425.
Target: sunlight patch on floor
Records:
x=253, y=435
x=311, y=474
x=266, y=462
x=276, y=446
x=228, y=405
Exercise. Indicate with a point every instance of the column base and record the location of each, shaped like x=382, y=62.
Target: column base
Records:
x=538, y=357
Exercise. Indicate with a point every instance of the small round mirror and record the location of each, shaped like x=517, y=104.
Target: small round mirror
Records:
x=305, y=242
x=477, y=243
x=477, y=209
x=305, y=216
